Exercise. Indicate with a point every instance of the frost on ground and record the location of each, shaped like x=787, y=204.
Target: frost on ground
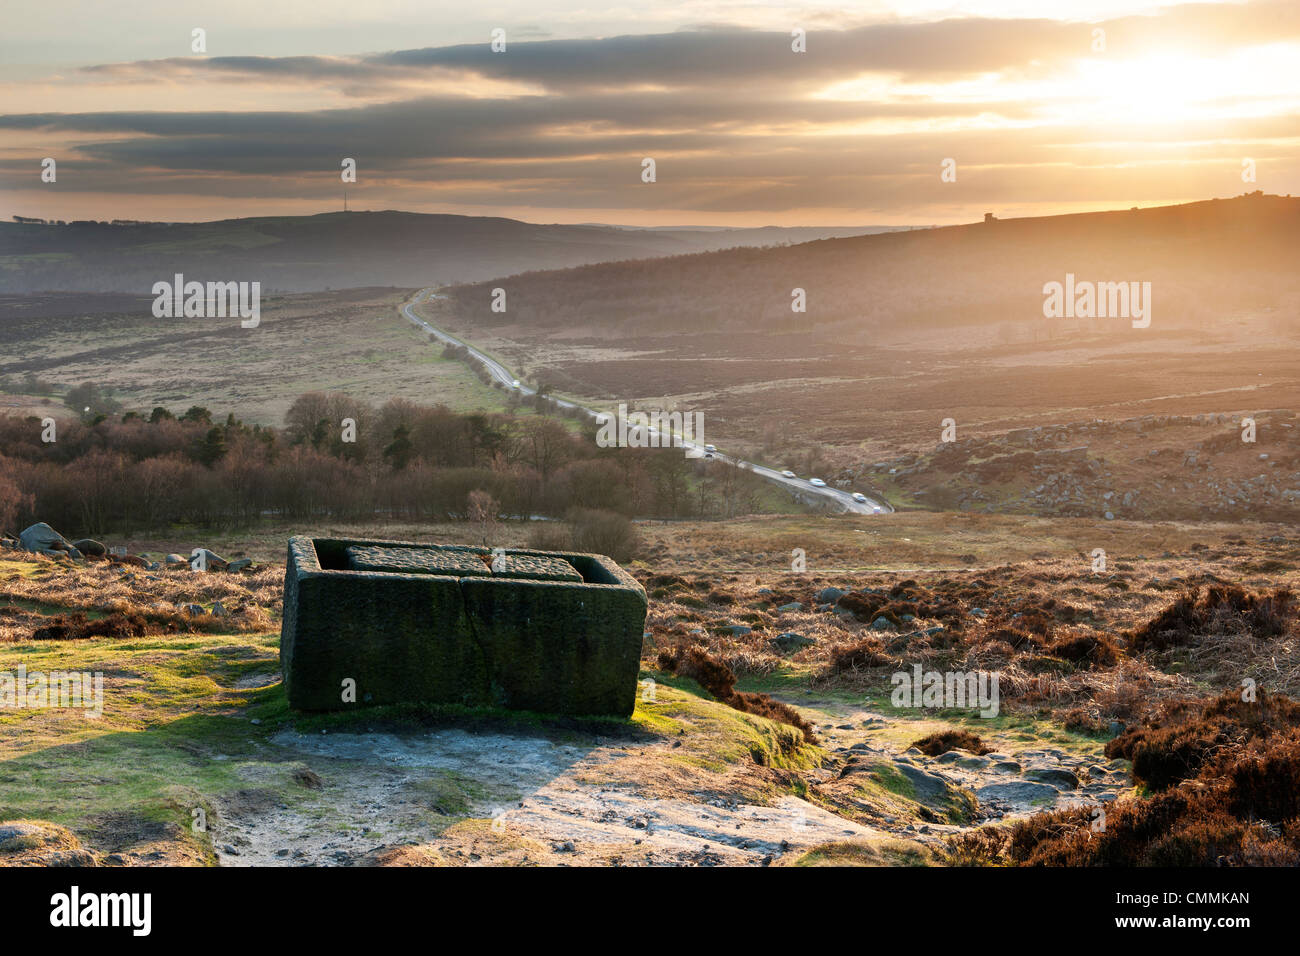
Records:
x=480, y=797
x=692, y=795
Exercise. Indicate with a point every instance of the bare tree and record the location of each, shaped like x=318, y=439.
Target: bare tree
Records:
x=482, y=512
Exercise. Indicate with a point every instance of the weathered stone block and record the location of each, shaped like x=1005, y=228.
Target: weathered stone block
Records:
x=455, y=563
x=551, y=632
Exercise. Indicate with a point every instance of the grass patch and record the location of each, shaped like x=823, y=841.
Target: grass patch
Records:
x=852, y=853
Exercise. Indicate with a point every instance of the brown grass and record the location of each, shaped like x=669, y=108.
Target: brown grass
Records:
x=945, y=740
x=1227, y=774
x=97, y=600
x=1218, y=611
x=1187, y=735
x=860, y=655
x=75, y=627
x=716, y=677
x=1183, y=827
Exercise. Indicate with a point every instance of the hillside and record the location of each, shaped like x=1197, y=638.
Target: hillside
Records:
x=905, y=332
x=1203, y=259
x=356, y=343
x=335, y=250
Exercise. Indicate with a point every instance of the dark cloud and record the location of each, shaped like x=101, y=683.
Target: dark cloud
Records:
x=917, y=51
x=725, y=112
x=408, y=155
x=435, y=128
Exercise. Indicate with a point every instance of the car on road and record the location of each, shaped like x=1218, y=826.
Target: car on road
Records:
x=788, y=474
x=859, y=497
x=710, y=448
x=816, y=482
x=515, y=383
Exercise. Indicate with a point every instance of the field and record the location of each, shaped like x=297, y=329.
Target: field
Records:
x=876, y=395
x=852, y=407
x=351, y=341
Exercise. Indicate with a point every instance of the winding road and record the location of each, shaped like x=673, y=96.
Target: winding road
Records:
x=842, y=499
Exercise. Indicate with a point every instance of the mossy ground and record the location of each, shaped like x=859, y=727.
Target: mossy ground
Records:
x=188, y=732
x=882, y=853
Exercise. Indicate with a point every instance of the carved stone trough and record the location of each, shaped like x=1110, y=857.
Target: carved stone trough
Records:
x=554, y=632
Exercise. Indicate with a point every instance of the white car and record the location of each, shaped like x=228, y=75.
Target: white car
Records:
x=787, y=474
x=515, y=383
x=816, y=482
x=859, y=497
x=710, y=448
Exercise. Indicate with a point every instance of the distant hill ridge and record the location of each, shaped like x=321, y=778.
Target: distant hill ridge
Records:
x=1203, y=260
x=336, y=250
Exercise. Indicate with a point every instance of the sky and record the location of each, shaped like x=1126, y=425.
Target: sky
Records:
x=913, y=112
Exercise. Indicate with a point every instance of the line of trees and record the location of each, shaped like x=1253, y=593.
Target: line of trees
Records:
x=339, y=457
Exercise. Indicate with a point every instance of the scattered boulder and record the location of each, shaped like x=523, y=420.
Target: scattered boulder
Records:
x=792, y=606
x=173, y=559
x=41, y=537
x=933, y=791
x=239, y=565
x=927, y=786
x=829, y=595
x=89, y=546
x=1057, y=777
x=791, y=643
x=1021, y=792
x=209, y=560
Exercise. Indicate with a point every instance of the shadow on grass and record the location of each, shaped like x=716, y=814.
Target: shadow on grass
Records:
x=126, y=788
